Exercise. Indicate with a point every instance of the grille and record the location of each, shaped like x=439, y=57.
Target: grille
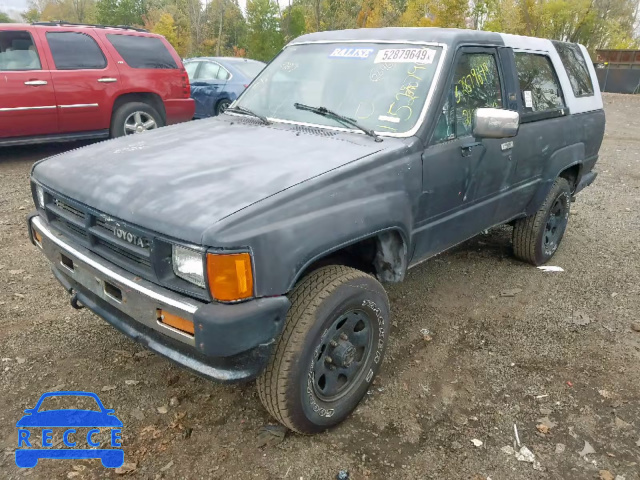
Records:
x=126, y=254
x=103, y=224
x=93, y=232
x=68, y=208
x=76, y=230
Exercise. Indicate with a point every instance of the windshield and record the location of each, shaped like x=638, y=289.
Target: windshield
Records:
x=382, y=86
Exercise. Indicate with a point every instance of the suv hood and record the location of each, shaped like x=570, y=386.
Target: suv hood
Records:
x=180, y=180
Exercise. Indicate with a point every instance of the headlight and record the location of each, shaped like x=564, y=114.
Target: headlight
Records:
x=40, y=195
x=188, y=265
x=230, y=276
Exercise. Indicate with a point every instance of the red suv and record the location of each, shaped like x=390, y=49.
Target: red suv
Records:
x=62, y=81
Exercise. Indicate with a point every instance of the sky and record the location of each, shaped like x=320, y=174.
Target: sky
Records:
x=13, y=7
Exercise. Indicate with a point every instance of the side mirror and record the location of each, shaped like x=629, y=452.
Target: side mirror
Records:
x=495, y=123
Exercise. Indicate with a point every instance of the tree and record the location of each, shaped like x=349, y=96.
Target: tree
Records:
x=82, y=9
x=4, y=18
x=263, y=21
x=121, y=12
x=594, y=23
x=436, y=13
x=378, y=13
x=31, y=15
x=293, y=22
x=167, y=28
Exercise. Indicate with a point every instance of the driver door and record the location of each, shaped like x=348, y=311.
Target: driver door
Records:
x=462, y=175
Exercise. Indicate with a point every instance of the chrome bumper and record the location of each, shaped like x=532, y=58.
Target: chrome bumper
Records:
x=139, y=299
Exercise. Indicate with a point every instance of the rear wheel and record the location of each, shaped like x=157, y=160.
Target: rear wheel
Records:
x=222, y=105
x=536, y=238
x=134, y=117
x=331, y=349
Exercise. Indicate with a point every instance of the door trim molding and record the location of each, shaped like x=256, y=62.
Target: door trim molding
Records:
x=79, y=105
x=19, y=109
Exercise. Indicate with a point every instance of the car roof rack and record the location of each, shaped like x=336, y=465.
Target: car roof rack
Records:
x=62, y=23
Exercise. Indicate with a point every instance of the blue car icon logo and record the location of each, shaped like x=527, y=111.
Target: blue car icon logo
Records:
x=73, y=421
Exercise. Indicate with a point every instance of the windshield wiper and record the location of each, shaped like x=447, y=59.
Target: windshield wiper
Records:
x=246, y=111
x=325, y=112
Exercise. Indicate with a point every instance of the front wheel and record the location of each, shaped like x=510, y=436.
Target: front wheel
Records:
x=332, y=347
x=536, y=238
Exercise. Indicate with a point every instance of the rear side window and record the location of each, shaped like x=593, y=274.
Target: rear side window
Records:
x=576, y=67
x=539, y=84
x=142, y=52
x=223, y=74
x=75, y=51
x=208, y=71
x=18, y=52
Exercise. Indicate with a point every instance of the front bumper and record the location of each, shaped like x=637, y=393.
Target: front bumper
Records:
x=231, y=342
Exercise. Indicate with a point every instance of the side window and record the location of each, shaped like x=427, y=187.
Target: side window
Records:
x=576, y=68
x=18, y=52
x=476, y=84
x=223, y=74
x=208, y=71
x=191, y=68
x=142, y=52
x=75, y=51
x=539, y=84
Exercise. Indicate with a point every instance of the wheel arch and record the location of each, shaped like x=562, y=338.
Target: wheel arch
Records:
x=566, y=163
x=383, y=254
x=149, y=98
x=572, y=175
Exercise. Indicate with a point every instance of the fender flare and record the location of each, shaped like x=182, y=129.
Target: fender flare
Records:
x=404, y=260
x=561, y=160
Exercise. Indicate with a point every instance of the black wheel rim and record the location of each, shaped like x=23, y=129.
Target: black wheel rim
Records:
x=556, y=224
x=342, y=354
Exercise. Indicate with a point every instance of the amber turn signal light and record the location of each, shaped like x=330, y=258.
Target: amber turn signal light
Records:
x=230, y=276
x=37, y=237
x=175, y=321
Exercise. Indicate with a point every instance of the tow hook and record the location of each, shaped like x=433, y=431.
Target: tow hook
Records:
x=75, y=303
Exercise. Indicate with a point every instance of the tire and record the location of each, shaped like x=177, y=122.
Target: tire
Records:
x=126, y=114
x=292, y=388
x=537, y=238
x=221, y=106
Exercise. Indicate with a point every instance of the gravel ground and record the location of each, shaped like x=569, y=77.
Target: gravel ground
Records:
x=559, y=359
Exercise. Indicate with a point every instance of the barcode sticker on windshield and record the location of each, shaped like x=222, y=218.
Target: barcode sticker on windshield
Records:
x=405, y=55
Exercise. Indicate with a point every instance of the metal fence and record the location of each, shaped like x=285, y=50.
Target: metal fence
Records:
x=618, y=71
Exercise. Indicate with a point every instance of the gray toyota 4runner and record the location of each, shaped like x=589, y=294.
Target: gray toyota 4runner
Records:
x=252, y=245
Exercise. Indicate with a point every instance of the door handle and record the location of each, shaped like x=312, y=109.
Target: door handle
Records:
x=107, y=80
x=466, y=149
x=35, y=83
